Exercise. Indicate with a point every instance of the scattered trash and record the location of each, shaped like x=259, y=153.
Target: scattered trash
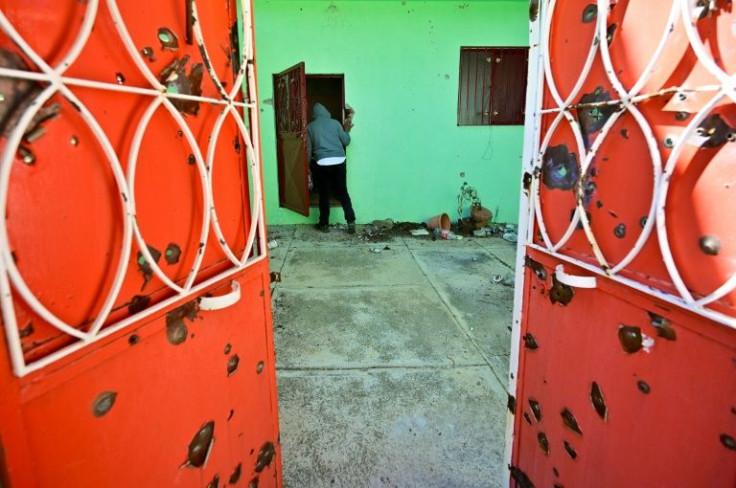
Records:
x=384, y=224
x=508, y=280
x=446, y=234
x=419, y=232
x=510, y=236
x=484, y=232
x=272, y=244
x=376, y=250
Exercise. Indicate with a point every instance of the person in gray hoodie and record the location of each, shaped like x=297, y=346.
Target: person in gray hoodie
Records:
x=326, y=143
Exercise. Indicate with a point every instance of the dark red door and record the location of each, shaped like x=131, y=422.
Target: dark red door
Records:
x=290, y=100
x=134, y=279
x=624, y=355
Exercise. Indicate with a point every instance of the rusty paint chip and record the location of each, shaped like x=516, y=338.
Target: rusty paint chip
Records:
x=26, y=331
x=144, y=267
x=560, y=292
x=138, y=303
x=201, y=444
x=103, y=403
x=176, y=329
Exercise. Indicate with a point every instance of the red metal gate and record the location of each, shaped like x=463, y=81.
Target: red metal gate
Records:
x=133, y=279
x=624, y=361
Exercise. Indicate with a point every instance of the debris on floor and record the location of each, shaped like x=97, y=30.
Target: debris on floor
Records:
x=508, y=280
x=419, y=232
x=273, y=244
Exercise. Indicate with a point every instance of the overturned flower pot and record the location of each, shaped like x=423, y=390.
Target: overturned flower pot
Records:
x=480, y=216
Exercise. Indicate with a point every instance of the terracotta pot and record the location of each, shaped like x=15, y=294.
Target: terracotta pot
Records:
x=441, y=221
x=480, y=214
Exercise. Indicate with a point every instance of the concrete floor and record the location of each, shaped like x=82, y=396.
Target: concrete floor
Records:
x=391, y=365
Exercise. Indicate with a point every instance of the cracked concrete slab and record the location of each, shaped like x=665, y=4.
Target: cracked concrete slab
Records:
x=399, y=428
x=465, y=278
x=367, y=327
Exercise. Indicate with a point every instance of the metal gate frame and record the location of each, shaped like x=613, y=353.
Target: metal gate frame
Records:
x=11, y=280
x=541, y=13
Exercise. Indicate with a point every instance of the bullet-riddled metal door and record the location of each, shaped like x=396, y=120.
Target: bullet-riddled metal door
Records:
x=133, y=281
x=623, y=367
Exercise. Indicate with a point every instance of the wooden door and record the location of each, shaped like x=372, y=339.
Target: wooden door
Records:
x=134, y=280
x=290, y=100
x=624, y=336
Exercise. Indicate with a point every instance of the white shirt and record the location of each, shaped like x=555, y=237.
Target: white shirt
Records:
x=331, y=161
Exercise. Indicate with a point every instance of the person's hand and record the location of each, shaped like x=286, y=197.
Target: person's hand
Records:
x=347, y=125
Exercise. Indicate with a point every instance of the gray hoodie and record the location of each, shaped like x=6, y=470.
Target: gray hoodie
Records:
x=326, y=136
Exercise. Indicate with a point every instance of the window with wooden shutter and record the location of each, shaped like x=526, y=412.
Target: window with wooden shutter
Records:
x=492, y=86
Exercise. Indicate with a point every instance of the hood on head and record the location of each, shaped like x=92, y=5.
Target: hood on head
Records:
x=319, y=110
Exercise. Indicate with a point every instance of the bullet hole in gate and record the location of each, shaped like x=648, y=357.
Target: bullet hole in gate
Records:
x=536, y=409
x=663, y=327
x=169, y=41
x=682, y=116
x=555, y=472
x=227, y=348
x=570, y=421
x=172, y=253
x=215, y=483
x=176, y=80
x=710, y=245
x=176, y=329
x=570, y=450
x=232, y=364
x=520, y=478
x=643, y=221
x=593, y=118
x=27, y=155
x=230, y=415
x=133, y=339
x=715, y=130
x=236, y=143
x=610, y=33
x=620, y=231
x=236, y=474
x=145, y=267
x=560, y=168
x=560, y=293
x=120, y=78
x=527, y=418
x=191, y=160
x=103, y=403
x=259, y=367
x=543, y=443
x=538, y=268
x=511, y=404
x=590, y=12
x=599, y=404
x=728, y=441
x=530, y=342
x=643, y=387
x=533, y=10
x=147, y=53
x=265, y=456
x=138, y=303
x=26, y=331
x=200, y=445
x=253, y=483
x=630, y=338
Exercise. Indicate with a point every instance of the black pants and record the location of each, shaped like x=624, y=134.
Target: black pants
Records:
x=333, y=180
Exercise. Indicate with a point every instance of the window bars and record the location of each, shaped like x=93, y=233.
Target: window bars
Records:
x=11, y=280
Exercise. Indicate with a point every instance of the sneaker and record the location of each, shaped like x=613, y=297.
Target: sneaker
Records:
x=351, y=227
x=322, y=227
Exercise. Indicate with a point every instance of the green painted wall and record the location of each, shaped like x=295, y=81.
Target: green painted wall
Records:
x=401, y=65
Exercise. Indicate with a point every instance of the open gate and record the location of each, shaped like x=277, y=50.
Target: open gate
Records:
x=623, y=368
x=134, y=282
